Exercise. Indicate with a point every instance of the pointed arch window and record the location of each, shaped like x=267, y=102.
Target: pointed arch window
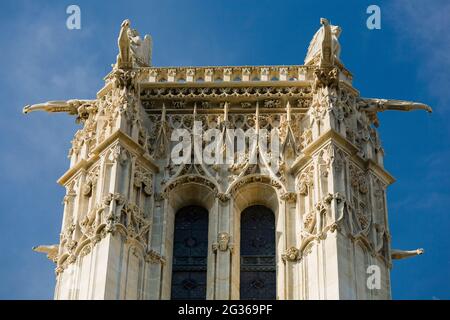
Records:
x=190, y=250
x=258, y=271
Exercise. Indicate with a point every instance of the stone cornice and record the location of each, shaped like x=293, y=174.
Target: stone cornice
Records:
x=103, y=91
x=229, y=76
x=380, y=172
x=349, y=87
x=345, y=145
x=122, y=138
x=273, y=75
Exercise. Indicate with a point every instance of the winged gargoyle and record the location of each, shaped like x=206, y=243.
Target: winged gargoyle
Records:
x=401, y=254
x=50, y=250
x=372, y=106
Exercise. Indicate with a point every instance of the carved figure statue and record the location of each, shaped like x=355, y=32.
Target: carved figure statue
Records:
x=124, y=56
x=223, y=239
x=316, y=45
x=140, y=49
x=133, y=51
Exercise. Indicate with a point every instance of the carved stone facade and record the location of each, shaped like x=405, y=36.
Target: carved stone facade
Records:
x=123, y=190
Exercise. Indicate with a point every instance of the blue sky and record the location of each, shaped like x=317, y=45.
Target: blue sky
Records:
x=42, y=60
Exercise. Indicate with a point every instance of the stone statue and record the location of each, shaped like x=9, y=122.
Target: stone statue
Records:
x=140, y=49
x=51, y=251
x=400, y=254
x=372, y=106
x=316, y=45
x=223, y=239
x=133, y=51
x=124, y=56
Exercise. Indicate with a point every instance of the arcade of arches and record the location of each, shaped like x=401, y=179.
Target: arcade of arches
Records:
x=258, y=274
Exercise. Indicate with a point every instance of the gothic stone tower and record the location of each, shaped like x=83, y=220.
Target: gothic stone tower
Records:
x=136, y=225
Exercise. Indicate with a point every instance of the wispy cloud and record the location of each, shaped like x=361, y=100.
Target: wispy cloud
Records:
x=41, y=61
x=47, y=58
x=46, y=62
x=432, y=202
x=424, y=27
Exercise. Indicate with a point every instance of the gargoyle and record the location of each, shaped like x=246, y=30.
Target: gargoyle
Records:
x=50, y=250
x=401, y=254
x=371, y=106
x=81, y=108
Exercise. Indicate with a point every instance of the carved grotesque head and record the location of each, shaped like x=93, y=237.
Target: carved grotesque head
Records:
x=292, y=254
x=223, y=239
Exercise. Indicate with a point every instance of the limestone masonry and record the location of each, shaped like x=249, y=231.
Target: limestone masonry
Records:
x=137, y=226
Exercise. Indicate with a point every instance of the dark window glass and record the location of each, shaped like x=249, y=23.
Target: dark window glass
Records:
x=190, y=249
x=258, y=273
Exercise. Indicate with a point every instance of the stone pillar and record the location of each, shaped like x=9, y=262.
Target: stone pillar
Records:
x=288, y=208
x=105, y=240
x=223, y=248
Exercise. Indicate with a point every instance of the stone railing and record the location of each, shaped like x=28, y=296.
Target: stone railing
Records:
x=227, y=74
x=234, y=74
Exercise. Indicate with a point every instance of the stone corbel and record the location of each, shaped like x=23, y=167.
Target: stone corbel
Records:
x=59, y=270
x=224, y=197
x=325, y=77
x=289, y=197
x=154, y=257
x=292, y=255
x=160, y=196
